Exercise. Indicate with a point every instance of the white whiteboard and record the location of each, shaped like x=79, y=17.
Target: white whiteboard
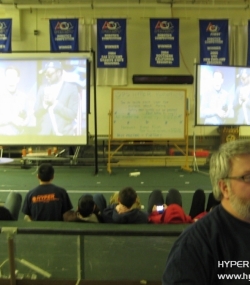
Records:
x=150, y=114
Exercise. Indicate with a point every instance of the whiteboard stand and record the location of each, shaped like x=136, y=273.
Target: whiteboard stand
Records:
x=195, y=165
x=147, y=114
x=109, y=143
x=110, y=155
x=186, y=166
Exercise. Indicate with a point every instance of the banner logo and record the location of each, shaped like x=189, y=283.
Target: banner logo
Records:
x=64, y=26
x=164, y=25
x=3, y=26
x=212, y=28
x=111, y=26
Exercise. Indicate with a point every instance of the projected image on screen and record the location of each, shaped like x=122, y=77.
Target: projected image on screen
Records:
x=43, y=101
x=223, y=95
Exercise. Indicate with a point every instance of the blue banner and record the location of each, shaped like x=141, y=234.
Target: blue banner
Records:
x=248, y=49
x=214, y=42
x=5, y=35
x=64, y=35
x=164, y=34
x=111, y=43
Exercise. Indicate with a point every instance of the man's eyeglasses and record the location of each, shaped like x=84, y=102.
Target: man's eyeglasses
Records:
x=245, y=178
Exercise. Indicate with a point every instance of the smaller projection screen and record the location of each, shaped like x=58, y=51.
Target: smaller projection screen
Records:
x=222, y=95
x=44, y=98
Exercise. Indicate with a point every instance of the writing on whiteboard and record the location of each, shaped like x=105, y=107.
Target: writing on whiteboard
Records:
x=148, y=114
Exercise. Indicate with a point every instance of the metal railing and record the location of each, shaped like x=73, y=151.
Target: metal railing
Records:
x=149, y=236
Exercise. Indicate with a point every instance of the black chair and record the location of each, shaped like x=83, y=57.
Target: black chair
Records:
x=5, y=214
x=10, y=210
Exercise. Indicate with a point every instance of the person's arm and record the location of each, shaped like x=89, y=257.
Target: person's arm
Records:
x=68, y=108
x=39, y=109
x=27, y=218
x=26, y=209
x=107, y=214
x=70, y=216
x=207, y=109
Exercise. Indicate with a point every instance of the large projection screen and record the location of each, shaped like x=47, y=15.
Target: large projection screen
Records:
x=44, y=98
x=222, y=95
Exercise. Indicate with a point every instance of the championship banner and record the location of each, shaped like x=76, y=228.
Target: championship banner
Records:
x=111, y=43
x=5, y=35
x=64, y=35
x=214, y=42
x=164, y=34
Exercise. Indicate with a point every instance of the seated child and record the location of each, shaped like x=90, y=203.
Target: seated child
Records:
x=126, y=210
x=90, y=208
x=114, y=200
x=171, y=211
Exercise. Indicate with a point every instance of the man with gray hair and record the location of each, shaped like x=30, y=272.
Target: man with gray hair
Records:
x=215, y=250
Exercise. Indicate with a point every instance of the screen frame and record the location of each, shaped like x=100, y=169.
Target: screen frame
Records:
x=231, y=80
x=33, y=140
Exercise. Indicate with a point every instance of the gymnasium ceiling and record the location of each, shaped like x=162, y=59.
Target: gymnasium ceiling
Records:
x=244, y=4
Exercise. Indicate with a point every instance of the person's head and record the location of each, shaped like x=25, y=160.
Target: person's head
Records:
x=12, y=78
x=86, y=205
x=53, y=72
x=114, y=199
x=230, y=177
x=218, y=79
x=45, y=172
x=127, y=197
x=244, y=76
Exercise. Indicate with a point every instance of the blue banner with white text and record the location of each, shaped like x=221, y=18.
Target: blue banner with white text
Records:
x=164, y=35
x=64, y=35
x=214, y=42
x=111, y=43
x=5, y=35
x=248, y=46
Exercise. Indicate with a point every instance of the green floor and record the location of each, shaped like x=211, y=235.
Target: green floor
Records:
x=81, y=179
x=92, y=255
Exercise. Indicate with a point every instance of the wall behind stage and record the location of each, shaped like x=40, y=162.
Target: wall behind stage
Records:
x=25, y=21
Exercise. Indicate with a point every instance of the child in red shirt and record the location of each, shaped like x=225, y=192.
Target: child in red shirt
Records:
x=172, y=211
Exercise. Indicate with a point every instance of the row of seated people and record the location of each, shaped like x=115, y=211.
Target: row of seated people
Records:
x=125, y=208
x=49, y=202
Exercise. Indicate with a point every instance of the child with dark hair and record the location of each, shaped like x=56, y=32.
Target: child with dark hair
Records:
x=125, y=212
x=45, y=172
x=90, y=208
x=114, y=199
x=47, y=201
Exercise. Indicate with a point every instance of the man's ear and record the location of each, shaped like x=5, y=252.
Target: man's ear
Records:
x=224, y=188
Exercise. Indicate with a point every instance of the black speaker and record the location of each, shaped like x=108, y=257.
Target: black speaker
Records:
x=163, y=79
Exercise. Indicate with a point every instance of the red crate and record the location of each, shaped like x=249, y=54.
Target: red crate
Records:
x=199, y=153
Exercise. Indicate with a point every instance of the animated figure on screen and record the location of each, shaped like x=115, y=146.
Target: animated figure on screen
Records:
x=242, y=98
x=216, y=104
x=57, y=102
x=14, y=115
